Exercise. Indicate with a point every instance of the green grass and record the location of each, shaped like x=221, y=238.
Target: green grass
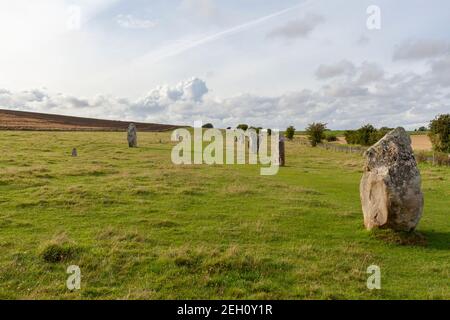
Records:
x=140, y=227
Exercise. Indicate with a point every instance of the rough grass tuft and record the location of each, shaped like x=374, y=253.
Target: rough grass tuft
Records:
x=59, y=249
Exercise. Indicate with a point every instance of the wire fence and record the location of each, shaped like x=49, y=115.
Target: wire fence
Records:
x=435, y=159
x=342, y=148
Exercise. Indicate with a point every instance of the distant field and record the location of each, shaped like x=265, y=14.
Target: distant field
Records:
x=19, y=120
x=140, y=227
x=334, y=132
x=419, y=142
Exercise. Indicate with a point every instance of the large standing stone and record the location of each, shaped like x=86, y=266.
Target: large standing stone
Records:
x=390, y=187
x=132, y=136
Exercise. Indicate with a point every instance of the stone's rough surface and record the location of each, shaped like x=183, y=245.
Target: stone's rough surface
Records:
x=74, y=152
x=132, y=136
x=390, y=187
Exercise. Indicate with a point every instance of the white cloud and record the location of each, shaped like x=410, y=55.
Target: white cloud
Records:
x=191, y=90
x=363, y=40
x=368, y=95
x=421, y=49
x=299, y=28
x=345, y=91
x=131, y=22
x=341, y=68
x=441, y=71
x=370, y=72
x=205, y=10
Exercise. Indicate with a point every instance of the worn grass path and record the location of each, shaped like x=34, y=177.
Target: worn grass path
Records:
x=140, y=227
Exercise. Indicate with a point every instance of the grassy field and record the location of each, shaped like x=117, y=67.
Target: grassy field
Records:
x=140, y=227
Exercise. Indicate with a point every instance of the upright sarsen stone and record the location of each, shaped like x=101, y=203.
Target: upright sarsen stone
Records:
x=281, y=150
x=253, y=142
x=132, y=136
x=390, y=188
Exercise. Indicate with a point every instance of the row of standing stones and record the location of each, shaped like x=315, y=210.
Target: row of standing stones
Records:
x=390, y=188
x=132, y=143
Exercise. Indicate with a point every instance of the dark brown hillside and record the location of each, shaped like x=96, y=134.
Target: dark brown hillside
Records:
x=21, y=120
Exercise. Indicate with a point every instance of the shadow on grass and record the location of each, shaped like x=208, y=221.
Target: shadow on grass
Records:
x=437, y=240
x=427, y=239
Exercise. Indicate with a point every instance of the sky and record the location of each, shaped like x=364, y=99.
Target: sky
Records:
x=265, y=63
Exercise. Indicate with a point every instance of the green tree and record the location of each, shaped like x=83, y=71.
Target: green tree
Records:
x=290, y=132
x=315, y=132
x=258, y=129
x=331, y=137
x=378, y=134
x=351, y=137
x=242, y=126
x=440, y=133
x=208, y=126
x=367, y=135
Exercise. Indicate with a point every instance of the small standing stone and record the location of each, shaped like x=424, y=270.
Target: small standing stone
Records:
x=74, y=152
x=391, y=195
x=241, y=138
x=132, y=136
x=253, y=142
x=259, y=138
x=281, y=151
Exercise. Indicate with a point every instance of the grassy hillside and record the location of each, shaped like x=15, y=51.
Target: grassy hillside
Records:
x=140, y=227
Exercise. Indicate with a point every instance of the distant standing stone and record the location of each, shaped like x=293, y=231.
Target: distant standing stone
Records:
x=74, y=152
x=390, y=189
x=281, y=150
x=253, y=142
x=241, y=137
x=132, y=136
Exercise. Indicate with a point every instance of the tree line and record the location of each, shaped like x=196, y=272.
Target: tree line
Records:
x=367, y=135
x=438, y=131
